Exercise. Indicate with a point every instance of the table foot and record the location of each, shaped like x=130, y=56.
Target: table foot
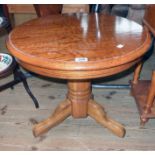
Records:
x=60, y=114
x=97, y=112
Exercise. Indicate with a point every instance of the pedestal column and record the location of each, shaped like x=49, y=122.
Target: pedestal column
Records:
x=79, y=93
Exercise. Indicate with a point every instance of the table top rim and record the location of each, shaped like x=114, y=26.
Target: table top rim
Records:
x=59, y=64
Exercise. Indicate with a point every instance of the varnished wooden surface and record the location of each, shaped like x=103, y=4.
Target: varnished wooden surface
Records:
x=18, y=115
x=47, y=9
x=140, y=93
x=144, y=91
x=55, y=41
x=80, y=105
x=52, y=45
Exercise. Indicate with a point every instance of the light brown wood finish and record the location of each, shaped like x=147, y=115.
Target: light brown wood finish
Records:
x=79, y=94
x=144, y=90
x=59, y=115
x=52, y=46
x=79, y=104
x=74, y=8
x=72, y=134
x=21, y=8
x=150, y=99
x=97, y=112
x=77, y=110
x=67, y=8
x=137, y=71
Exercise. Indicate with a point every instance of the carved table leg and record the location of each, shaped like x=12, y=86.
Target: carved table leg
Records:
x=79, y=104
x=60, y=114
x=97, y=112
x=79, y=93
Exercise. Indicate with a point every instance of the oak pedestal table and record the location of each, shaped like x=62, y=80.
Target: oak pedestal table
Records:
x=78, y=47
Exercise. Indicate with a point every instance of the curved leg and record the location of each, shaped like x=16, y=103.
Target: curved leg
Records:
x=61, y=113
x=26, y=86
x=79, y=104
x=149, y=101
x=19, y=75
x=137, y=73
x=60, y=107
x=97, y=112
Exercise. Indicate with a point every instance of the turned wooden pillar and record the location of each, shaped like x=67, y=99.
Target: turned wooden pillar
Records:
x=79, y=93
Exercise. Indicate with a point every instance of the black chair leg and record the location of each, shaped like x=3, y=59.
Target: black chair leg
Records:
x=20, y=77
x=25, y=84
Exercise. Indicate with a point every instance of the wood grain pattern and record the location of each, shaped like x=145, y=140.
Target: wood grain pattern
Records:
x=78, y=74
x=79, y=93
x=79, y=47
x=55, y=41
x=97, y=112
x=79, y=104
x=62, y=112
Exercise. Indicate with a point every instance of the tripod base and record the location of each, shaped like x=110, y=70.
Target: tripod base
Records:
x=79, y=104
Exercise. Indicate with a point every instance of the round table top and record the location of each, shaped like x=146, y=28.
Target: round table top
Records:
x=78, y=41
